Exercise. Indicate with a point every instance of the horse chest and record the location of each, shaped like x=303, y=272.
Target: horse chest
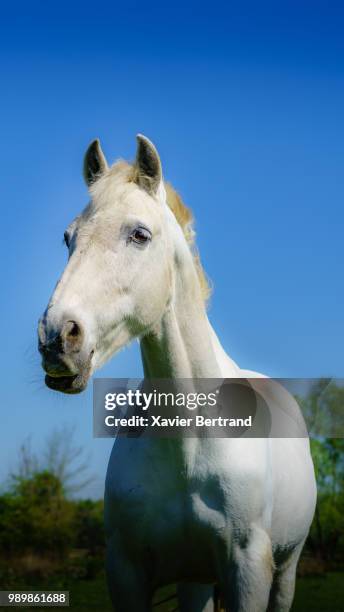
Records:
x=171, y=511
x=172, y=522
x=178, y=519
x=173, y=533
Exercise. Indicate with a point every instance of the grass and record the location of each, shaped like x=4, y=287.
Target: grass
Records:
x=313, y=594
x=92, y=595
x=320, y=594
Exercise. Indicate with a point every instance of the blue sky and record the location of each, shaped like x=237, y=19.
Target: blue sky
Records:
x=245, y=103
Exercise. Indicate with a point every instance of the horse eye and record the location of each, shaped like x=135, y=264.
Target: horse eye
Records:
x=66, y=238
x=140, y=235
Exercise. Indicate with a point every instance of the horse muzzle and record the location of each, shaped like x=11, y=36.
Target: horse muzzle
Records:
x=65, y=360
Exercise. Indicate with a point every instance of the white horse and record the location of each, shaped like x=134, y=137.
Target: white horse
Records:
x=190, y=511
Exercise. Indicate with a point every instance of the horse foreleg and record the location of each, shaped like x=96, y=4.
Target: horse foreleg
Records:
x=194, y=597
x=128, y=585
x=247, y=577
x=283, y=586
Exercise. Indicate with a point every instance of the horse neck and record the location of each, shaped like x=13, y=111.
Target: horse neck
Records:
x=181, y=344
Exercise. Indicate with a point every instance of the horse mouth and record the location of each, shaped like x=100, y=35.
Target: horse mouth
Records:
x=67, y=384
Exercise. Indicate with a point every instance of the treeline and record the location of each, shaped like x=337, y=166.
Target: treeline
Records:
x=46, y=532
x=326, y=538
x=35, y=515
x=323, y=408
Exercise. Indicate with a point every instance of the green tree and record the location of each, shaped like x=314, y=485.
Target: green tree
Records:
x=35, y=515
x=323, y=408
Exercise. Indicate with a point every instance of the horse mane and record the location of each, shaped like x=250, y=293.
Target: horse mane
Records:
x=185, y=218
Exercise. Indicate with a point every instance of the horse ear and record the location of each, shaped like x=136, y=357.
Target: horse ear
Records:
x=148, y=165
x=95, y=163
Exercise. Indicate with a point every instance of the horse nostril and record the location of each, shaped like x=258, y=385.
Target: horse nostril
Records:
x=74, y=330
x=72, y=334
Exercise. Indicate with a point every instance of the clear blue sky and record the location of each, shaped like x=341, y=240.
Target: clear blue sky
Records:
x=245, y=103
